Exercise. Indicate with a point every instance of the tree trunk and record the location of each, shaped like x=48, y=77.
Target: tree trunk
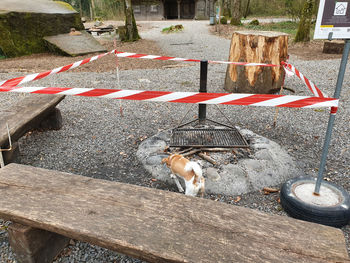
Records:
x=235, y=12
x=303, y=33
x=259, y=47
x=93, y=14
x=226, y=12
x=246, y=9
x=131, y=32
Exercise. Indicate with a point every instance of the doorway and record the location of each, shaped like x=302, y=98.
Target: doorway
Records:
x=187, y=9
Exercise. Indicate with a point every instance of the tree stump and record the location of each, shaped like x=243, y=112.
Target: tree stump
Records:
x=256, y=47
x=333, y=47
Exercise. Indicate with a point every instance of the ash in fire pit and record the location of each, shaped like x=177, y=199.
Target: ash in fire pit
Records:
x=230, y=171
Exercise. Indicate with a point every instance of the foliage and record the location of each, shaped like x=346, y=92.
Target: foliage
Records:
x=223, y=20
x=294, y=8
x=254, y=22
x=106, y=9
x=173, y=29
x=264, y=8
x=2, y=55
x=67, y=5
x=288, y=27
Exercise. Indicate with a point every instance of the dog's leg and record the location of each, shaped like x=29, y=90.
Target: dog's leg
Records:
x=203, y=187
x=177, y=183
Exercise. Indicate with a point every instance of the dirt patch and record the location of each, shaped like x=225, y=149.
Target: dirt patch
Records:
x=304, y=51
x=43, y=62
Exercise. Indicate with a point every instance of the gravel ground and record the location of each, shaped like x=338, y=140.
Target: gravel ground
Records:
x=97, y=141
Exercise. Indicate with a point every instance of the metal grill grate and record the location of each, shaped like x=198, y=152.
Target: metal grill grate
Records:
x=191, y=137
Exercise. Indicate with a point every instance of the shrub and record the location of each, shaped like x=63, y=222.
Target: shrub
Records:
x=173, y=29
x=223, y=20
x=254, y=22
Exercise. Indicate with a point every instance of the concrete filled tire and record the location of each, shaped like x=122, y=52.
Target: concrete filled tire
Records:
x=331, y=207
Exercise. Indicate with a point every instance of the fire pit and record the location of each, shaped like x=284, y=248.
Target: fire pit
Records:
x=207, y=137
x=230, y=165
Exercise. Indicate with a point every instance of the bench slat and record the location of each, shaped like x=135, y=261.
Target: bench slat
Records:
x=26, y=115
x=159, y=226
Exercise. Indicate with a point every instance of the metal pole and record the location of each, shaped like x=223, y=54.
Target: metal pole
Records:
x=2, y=163
x=202, y=110
x=327, y=140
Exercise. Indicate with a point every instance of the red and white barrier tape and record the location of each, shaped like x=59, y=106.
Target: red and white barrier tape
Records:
x=24, y=79
x=144, y=56
x=312, y=87
x=267, y=100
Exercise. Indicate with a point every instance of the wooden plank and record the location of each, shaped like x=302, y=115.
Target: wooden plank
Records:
x=26, y=115
x=159, y=226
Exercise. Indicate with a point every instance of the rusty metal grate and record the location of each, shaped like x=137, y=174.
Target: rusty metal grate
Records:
x=210, y=137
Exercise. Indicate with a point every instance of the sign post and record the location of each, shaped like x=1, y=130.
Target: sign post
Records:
x=313, y=199
x=333, y=20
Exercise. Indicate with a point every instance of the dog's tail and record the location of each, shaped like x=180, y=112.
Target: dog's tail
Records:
x=193, y=166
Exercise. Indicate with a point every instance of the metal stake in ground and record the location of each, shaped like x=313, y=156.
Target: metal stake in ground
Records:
x=202, y=110
x=340, y=80
x=316, y=200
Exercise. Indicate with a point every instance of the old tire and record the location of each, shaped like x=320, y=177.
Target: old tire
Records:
x=331, y=207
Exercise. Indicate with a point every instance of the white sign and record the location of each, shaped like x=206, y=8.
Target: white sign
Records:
x=333, y=20
x=340, y=8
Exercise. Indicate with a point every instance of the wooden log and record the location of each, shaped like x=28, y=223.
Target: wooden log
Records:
x=260, y=47
x=207, y=158
x=333, y=47
x=160, y=226
x=32, y=245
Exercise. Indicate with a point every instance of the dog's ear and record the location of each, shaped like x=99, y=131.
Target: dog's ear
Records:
x=165, y=160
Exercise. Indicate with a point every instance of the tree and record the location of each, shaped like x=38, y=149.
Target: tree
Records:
x=235, y=12
x=246, y=9
x=303, y=33
x=131, y=32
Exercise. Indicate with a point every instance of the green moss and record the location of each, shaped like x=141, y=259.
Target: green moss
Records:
x=131, y=32
x=68, y=6
x=22, y=33
x=173, y=29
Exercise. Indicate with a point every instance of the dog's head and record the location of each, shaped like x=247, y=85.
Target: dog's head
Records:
x=166, y=161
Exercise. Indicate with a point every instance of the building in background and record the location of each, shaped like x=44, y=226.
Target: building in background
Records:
x=171, y=9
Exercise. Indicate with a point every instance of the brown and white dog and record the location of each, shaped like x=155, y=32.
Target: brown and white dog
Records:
x=191, y=172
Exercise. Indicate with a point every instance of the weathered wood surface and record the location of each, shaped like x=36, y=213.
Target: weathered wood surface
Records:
x=33, y=245
x=160, y=226
x=25, y=115
x=333, y=47
x=256, y=47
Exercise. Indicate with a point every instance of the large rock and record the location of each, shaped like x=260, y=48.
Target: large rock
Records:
x=74, y=45
x=24, y=23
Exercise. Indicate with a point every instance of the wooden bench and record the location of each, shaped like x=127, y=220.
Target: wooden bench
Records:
x=150, y=224
x=30, y=113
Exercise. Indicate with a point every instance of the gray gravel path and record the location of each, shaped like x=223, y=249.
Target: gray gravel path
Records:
x=96, y=141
